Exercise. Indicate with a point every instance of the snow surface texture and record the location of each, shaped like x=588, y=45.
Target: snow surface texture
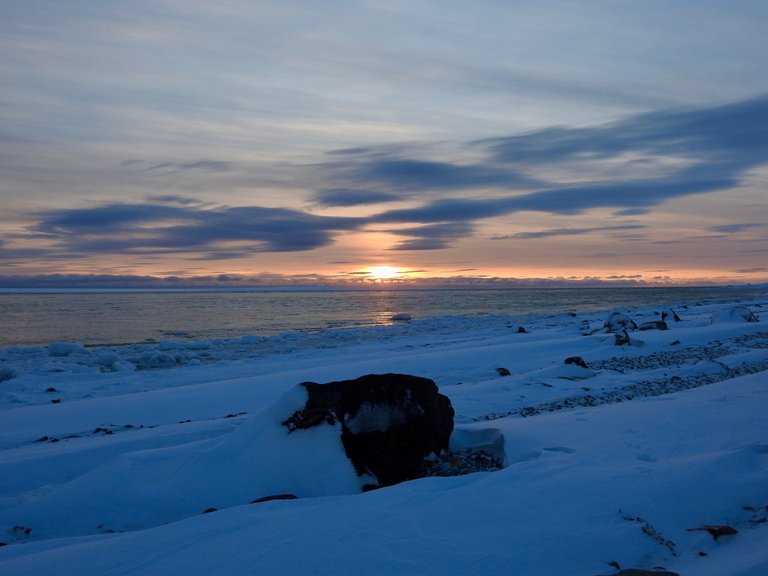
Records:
x=110, y=457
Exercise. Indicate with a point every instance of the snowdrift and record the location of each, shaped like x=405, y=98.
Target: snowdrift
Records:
x=628, y=462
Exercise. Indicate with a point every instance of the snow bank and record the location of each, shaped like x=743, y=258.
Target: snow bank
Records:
x=152, y=487
x=621, y=463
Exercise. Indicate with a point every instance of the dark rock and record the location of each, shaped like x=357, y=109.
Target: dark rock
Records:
x=522, y=330
x=21, y=530
x=460, y=462
x=472, y=450
x=586, y=328
x=618, y=322
x=669, y=314
x=503, y=371
x=488, y=440
x=716, y=530
x=43, y=439
x=644, y=572
x=622, y=339
x=400, y=317
x=654, y=325
x=389, y=422
x=274, y=497
x=744, y=313
x=209, y=510
x=51, y=389
x=156, y=360
x=578, y=360
x=7, y=374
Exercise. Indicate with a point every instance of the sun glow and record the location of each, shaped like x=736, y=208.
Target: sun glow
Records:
x=384, y=272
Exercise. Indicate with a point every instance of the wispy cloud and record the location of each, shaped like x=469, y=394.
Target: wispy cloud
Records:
x=552, y=232
x=735, y=228
x=353, y=197
x=734, y=135
x=756, y=270
x=412, y=174
x=202, y=165
x=713, y=147
x=432, y=236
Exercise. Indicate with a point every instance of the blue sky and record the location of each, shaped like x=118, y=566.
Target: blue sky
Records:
x=289, y=141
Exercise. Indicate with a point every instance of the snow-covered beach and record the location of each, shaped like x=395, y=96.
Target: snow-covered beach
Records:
x=637, y=459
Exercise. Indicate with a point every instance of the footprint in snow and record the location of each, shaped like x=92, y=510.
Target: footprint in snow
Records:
x=563, y=449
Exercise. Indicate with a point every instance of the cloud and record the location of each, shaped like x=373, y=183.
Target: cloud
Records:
x=271, y=280
x=552, y=232
x=702, y=151
x=173, y=199
x=735, y=134
x=171, y=167
x=672, y=154
x=733, y=228
x=352, y=197
x=155, y=228
x=105, y=219
x=433, y=236
x=756, y=270
x=632, y=212
x=411, y=174
x=450, y=210
x=566, y=200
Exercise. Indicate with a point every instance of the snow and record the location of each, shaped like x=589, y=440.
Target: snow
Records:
x=374, y=418
x=110, y=456
x=64, y=348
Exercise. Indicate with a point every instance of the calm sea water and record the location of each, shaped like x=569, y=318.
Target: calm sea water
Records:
x=119, y=317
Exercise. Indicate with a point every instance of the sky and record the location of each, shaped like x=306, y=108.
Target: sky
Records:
x=373, y=141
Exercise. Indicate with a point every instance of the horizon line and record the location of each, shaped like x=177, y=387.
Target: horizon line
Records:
x=233, y=282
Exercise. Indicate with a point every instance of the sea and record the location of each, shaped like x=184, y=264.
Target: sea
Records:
x=114, y=317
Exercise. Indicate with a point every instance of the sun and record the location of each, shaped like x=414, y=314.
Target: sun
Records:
x=383, y=272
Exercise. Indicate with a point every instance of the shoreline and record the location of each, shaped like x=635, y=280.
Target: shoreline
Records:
x=103, y=318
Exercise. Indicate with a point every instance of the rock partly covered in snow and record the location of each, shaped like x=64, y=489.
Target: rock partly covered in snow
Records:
x=654, y=325
x=735, y=314
x=618, y=323
x=669, y=315
x=744, y=313
x=401, y=317
x=58, y=349
x=389, y=422
x=576, y=360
